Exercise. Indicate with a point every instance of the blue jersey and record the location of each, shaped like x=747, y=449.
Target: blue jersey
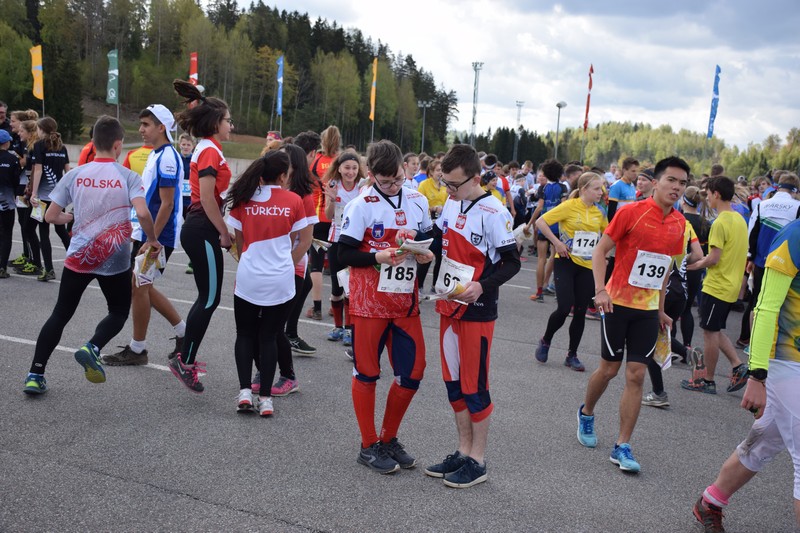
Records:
x=622, y=193
x=164, y=168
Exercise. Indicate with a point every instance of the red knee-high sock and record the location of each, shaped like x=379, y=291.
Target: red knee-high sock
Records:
x=347, y=322
x=364, y=405
x=396, y=405
x=337, y=305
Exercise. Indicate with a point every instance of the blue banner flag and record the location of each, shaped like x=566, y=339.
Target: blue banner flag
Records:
x=714, y=102
x=279, y=100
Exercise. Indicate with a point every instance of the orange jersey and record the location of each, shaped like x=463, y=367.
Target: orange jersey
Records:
x=318, y=169
x=646, y=243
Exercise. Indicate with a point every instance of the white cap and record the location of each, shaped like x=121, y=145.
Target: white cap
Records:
x=165, y=117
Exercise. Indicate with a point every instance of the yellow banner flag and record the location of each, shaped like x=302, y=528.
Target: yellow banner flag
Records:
x=374, y=88
x=38, y=73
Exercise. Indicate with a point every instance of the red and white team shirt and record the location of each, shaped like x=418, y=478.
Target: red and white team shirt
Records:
x=371, y=222
x=343, y=197
x=207, y=160
x=311, y=218
x=265, y=275
x=474, y=235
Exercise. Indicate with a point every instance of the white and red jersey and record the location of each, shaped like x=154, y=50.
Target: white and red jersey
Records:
x=265, y=275
x=343, y=197
x=311, y=219
x=474, y=234
x=371, y=223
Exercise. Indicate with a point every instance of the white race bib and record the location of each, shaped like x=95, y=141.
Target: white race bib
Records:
x=343, y=276
x=399, y=279
x=583, y=243
x=452, y=272
x=649, y=270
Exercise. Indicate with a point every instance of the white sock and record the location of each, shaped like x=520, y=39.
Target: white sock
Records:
x=138, y=346
x=180, y=328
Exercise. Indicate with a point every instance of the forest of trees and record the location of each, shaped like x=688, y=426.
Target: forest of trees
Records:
x=327, y=79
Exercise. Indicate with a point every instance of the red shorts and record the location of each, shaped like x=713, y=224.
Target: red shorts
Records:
x=404, y=341
x=465, y=348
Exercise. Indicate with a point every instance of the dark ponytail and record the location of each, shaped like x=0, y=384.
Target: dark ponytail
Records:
x=203, y=114
x=268, y=168
x=300, y=182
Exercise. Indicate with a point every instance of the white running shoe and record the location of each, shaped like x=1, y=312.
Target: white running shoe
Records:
x=265, y=406
x=245, y=401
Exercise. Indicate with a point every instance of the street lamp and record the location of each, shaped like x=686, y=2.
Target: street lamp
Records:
x=424, y=104
x=558, y=123
x=518, y=132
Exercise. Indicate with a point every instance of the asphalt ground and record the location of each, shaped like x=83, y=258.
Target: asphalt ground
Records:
x=141, y=453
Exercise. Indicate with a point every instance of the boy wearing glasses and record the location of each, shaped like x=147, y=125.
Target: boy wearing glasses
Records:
x=479, y=254
x=384, y=301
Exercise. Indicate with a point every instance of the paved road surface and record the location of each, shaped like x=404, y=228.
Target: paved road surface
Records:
x=141, y=453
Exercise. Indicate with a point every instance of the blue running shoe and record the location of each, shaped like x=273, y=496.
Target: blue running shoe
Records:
x=347, y=337
x=35, y=384
x=470, y=473
x=623, y=458
x=336, y=334
x=586, y=434
x=89, y=358
x=541, y=351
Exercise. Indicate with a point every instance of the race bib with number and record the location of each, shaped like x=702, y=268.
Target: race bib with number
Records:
x=649, y=270
x=399, y=279
x=583, y=243
x=451, y=273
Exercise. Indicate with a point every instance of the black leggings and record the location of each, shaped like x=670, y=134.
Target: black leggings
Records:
x=574, y=286
x=673, y=308
x=694, y=282
x=259, y=330
x=335, y=266
x=6, y=234
x=23, y=214
x=200, y=241
x=758, y=276
x=116, y=289
x=317, y=257
x=302, y=286
x=42, y=243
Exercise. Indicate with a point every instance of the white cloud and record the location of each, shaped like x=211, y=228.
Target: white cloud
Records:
x=653, y=63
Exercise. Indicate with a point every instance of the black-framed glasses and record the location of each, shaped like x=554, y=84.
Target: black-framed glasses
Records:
x=452, y=186
x=386, y=184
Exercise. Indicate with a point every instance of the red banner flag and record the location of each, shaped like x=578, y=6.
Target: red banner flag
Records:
x=193, y=68
x=588, y=99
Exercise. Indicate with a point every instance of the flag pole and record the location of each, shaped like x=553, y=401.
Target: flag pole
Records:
x=586, y=118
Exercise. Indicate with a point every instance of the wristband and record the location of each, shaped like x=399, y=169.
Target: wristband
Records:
x=601, y=290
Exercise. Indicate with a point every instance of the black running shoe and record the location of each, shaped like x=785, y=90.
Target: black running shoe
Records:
x=125, y=357
x=377, y=458
x=470, y=473
x=299, y=346
x=451, y=463
x=399, y=454
x=188, y=374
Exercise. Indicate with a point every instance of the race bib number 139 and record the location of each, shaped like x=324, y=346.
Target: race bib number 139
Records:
x=649, y=270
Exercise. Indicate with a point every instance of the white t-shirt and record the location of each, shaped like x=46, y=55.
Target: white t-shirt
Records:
x=101, y=193
x=265, y=275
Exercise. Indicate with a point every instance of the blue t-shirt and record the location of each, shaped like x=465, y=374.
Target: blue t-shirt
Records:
x=164, y=168
x=622, y=193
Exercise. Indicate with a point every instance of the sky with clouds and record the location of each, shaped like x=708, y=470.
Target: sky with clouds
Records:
x=652, y=62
